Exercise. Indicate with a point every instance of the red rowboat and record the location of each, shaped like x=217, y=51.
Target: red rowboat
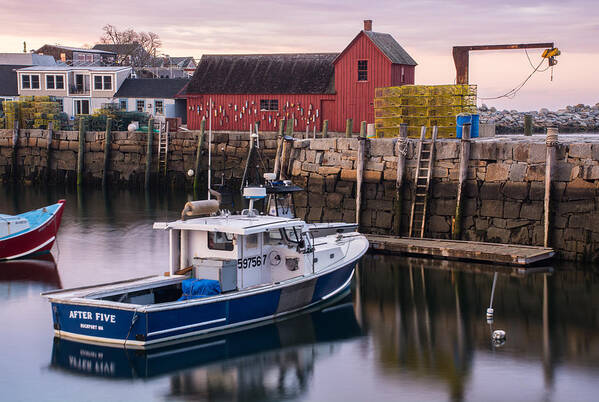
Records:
x=29, y=233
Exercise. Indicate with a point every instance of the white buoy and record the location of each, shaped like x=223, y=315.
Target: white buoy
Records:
x=190, y=172
x=490, y=312
x=498, y=335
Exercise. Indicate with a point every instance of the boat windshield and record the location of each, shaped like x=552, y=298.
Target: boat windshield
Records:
x=220, y=241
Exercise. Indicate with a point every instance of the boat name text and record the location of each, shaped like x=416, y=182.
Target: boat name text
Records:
x=88, y=315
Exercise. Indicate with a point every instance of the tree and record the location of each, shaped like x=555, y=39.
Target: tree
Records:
x=138, y=56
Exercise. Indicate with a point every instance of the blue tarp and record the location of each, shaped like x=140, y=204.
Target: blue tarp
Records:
x=198, y=288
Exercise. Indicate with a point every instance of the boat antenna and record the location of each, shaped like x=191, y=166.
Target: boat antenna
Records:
x=210, y=149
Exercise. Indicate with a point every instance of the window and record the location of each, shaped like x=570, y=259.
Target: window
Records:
x=362, y=70
x=102, y=82
x=220, y=241
x=141, y=104
x=61, y=103
x=81, y=106
x=158, y=107
x=30, y=81
x=123, y=104
x=251, y=241
x=63, y=57
x=273, y=238
x=269, y=105
x=54, y=82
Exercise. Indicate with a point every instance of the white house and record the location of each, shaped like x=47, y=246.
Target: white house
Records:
x=155, y=96
x=80, y=90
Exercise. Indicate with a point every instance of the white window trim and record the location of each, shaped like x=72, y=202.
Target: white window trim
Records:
x=29, y=74
x=126, y=101
x=155, y=111
x=93, y=81
x=89, y=106
x=83, y=73
x=144, y=107
x=64, y=82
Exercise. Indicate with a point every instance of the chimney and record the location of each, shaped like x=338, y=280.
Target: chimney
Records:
x=368, y=25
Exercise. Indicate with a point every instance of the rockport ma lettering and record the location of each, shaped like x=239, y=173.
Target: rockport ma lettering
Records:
x=87, y=315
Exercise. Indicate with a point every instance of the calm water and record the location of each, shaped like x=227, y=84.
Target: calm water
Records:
x=412, y=329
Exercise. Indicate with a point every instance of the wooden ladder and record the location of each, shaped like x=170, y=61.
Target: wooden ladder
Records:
x=163, y=140
x=424, y=167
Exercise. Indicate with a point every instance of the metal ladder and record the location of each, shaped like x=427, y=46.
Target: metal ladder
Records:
x=424, y=167
x=163, y=140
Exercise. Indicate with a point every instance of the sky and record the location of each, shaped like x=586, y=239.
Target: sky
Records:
x=427, y=29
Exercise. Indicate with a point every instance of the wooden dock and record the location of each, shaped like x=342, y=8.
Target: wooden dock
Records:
x=510, y=254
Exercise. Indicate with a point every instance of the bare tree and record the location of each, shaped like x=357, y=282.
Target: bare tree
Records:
x=138, y=56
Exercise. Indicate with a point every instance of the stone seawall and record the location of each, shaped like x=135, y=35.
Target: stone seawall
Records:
x=504, y=190
x=503, y=195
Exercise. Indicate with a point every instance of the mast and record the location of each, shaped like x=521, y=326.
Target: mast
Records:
x=210, y=149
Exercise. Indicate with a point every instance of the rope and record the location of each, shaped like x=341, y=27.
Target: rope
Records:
x=402, y=146
x=551, y=138
x=133, y=321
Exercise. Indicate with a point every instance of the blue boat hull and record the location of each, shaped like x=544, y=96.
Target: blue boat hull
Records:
x=146, y=327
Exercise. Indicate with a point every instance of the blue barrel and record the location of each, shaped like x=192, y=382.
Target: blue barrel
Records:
x=461, y=119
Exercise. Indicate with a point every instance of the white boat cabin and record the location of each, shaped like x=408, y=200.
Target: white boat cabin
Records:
x=12, y=224
x=243, y=251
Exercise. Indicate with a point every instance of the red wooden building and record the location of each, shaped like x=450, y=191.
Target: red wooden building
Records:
x=310, y=87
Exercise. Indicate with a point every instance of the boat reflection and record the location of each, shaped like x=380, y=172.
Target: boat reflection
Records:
x=428, y=318
x=41, y=270
x=286, y=346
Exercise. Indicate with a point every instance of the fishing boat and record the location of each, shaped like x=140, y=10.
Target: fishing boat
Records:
x=226, y=272
x=29, y=233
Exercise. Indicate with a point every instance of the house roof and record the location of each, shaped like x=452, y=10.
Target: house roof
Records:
x=121, y=48
x=77, y=49
x=295, y=73
x=165, y=88
x=388, y=46
x=63, y=68
x=182, y=61
x=26, y=59
x=8, y=80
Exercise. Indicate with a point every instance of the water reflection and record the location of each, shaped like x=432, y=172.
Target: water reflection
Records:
x=19, y=276
x=428, y=317
x=269, y=362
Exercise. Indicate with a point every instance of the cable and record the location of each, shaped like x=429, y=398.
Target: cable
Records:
x=512, y=93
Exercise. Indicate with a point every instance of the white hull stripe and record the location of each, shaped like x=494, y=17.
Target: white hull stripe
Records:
x=32, y=250
x=164, y=331
x=134, y=344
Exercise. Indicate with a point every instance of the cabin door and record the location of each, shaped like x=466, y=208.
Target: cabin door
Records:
x=252, y=261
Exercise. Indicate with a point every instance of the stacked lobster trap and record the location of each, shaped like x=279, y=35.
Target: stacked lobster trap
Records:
x=422, y=105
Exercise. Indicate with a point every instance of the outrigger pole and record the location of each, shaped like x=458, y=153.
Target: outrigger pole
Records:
x=210, y=149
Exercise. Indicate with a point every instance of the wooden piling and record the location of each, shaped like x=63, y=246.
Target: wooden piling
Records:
x=277, y=167
x=197, y=166
x=325, y=129
x=289, y=126
x=528, y=124
x=551, y=142
x=15, y=145
x=401, y=150
x=149, y=153
x=363, y=129
x=456, y=229
x=360, y=176
x=349, y=127
x=285, y=153
x=49, y=151
x=80, y=152
x=107, y=144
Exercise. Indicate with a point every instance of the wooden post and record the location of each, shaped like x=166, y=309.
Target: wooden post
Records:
x=551, y=142
x=349, y=128
x=360, y=176
x=528, y=124
x=149, y=153
x=401, y=150
x=107, y=144
x=80, y=153
x=456, y=230
x=325, y=129
x=196, y=175
x=289, y=127
x=363, y=129
x=277, y=167
x=49, y=150
x=15, y=145
x=287, y=144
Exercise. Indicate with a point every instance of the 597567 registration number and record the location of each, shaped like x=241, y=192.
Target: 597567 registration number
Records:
x=250, y=262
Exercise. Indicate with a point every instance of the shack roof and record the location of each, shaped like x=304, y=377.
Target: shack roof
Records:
x=387, y=45
x=293, y=73
x=151, y=87
x=77, y=49
x=119, y=48
x=8, y=80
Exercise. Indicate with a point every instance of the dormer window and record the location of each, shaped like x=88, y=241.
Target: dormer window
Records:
x=362, y=70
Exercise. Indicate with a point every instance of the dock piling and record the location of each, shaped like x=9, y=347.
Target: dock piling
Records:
x=360, y=175
x=15, y=145
x=363, y=129
x=325, y=129
x=456, y=229
x=401, y=150
x=196, y=176
x=349, y=128
x=149, y=153
x=528, y=124
x=551, y=141
x=107, y=143
x=49, y=150
x=80, y=153
x=289, y=126
x=277, y=167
